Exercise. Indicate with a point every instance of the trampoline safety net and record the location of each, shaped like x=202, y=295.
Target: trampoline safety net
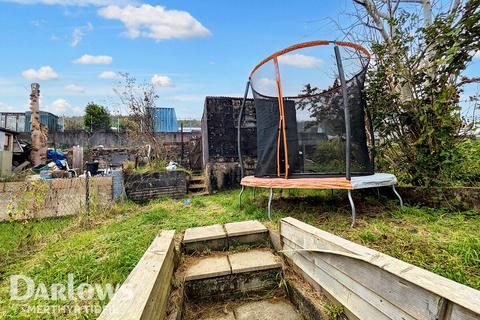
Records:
x=301, y=123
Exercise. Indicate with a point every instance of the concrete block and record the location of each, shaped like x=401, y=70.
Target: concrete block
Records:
x=244, y=228
x=254, y=260
x=209, y=267
x=232, y=285
x=265, y=309
x=251, y=233
x=205, y=238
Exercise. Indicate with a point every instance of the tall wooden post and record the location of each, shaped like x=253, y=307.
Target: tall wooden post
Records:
x=37, y=133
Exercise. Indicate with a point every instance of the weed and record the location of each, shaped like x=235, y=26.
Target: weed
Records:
x=333, y=311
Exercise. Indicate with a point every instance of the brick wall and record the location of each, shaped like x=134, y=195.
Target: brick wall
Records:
x=51, y=198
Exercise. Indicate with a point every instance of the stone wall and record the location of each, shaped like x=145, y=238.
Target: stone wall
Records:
x=69, y=139
x=219, y=141
x=51, y=198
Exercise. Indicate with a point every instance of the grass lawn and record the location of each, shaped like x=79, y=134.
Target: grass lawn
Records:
x=104, y=247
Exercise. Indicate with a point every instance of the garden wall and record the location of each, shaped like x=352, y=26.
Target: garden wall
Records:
x=149, y=186
x=51, y=198
x=69, y=139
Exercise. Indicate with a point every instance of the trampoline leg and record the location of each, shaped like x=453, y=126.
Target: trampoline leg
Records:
x=240, y=197
x=354, y=213
x=398, y=195
x=270, y=204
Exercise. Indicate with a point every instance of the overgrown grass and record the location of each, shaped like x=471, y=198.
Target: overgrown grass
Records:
x=103, y=248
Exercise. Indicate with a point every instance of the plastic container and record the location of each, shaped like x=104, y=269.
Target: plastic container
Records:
x=92, y=167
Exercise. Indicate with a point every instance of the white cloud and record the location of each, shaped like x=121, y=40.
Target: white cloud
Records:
x=81, y=3
x=62, y=107
x=155, y=22
x=75, y=88
x=299, y=60
x=161, y=81
x=476, y=56
x=109, y=75
x=44, y=73
x=89, y=59
x=79, y=33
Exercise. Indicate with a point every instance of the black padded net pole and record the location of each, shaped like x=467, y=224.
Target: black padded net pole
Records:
x=343, y=83
x=239, y=130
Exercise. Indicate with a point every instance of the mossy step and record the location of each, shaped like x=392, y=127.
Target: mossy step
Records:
x=231, y=235
x=224, y=276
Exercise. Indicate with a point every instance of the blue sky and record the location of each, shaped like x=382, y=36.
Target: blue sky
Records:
x=190, y=49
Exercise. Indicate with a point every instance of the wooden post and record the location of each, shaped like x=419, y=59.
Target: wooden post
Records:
x=37, y=133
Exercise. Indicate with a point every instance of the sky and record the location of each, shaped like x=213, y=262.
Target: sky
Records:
x=188, y=49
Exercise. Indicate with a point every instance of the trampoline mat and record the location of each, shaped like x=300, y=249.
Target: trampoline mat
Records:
x=362, y=182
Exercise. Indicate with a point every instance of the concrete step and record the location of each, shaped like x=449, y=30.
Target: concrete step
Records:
x=222, y=237
x=198, y=178
x=226, y=275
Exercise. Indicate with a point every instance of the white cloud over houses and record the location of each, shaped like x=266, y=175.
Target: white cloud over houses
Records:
x=299, y=60
x=43, y=73
x=79, y=33
x=109, y=75
x=89, y=59
x=155, y=22
x=162, y=81
x=75, y=88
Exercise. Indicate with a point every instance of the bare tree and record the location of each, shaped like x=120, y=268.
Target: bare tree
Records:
x=140, y=99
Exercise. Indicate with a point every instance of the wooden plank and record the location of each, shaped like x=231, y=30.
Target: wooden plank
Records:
x=450, y=290
x=459, y=313
x=378, y=302
x=354, y=303
x=403, y=296
x=144, y=294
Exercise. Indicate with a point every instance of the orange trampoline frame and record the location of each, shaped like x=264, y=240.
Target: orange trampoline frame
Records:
x=343, y=183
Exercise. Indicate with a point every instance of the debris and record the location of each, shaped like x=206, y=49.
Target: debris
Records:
x=22, y=166
x=172, y=166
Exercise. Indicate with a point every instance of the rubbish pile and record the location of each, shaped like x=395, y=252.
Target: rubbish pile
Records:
x=55, y=167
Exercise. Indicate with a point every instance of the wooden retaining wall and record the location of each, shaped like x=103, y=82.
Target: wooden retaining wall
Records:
x=144, y=294
x=370, y=284
x=51, y=198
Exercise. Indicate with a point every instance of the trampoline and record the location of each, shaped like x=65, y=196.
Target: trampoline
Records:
x=314, y=130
